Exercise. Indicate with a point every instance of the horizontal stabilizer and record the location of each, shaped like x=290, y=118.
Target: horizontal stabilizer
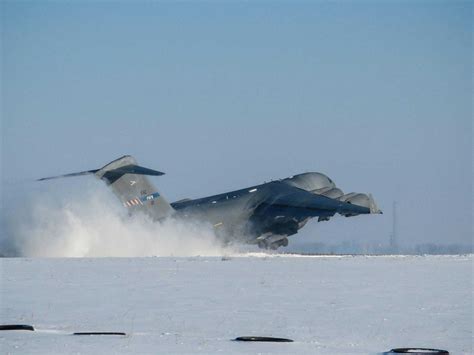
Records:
x=112, y=175
x=88, y=172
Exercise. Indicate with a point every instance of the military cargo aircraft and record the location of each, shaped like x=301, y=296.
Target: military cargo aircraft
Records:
x=265, y=214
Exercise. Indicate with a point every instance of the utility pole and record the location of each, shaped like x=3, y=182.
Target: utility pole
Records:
x=393, y=236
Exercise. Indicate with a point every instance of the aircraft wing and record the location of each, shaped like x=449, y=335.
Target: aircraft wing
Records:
x=291, y=200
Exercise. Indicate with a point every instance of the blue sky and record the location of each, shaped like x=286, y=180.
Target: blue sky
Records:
x=378, y=95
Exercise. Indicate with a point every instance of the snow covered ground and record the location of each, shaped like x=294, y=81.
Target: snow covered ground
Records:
x=328, y=305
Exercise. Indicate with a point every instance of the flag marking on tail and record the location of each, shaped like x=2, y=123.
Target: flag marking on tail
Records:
x=150, y=197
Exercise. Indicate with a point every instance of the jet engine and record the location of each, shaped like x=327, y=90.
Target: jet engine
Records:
x=312, y=182
x=331, y=192
x=360, y=199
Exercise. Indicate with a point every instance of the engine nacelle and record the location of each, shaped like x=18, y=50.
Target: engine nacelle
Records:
x=331, y=192
x=360, y=199
x=311, y=182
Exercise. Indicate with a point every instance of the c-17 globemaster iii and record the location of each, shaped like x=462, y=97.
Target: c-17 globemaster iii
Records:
x=265, y=214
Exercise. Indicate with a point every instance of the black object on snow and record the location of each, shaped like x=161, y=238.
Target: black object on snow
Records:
x=271, y=339
x=17, y=327
x=418, y=351
x=99, y=333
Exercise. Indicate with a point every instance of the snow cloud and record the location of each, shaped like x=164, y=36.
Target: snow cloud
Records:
x=95, y=225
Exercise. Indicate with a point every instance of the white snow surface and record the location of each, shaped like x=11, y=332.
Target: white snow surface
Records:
x=327, y=305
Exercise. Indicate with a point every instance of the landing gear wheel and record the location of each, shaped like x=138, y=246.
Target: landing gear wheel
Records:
x=274, y=246
x=264, y=244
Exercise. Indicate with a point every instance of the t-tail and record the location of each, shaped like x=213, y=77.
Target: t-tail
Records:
x=129, y=182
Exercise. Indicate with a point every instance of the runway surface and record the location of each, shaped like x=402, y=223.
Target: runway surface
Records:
x=326, y=304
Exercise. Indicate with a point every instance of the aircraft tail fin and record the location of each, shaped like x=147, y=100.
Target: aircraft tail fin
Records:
x=130, y=184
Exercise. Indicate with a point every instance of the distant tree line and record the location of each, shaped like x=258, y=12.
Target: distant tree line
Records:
x=355, y=247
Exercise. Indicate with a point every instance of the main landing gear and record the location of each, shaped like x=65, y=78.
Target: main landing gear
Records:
x=273, y=245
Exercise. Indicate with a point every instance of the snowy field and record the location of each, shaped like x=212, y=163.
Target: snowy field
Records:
x=327, y=305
